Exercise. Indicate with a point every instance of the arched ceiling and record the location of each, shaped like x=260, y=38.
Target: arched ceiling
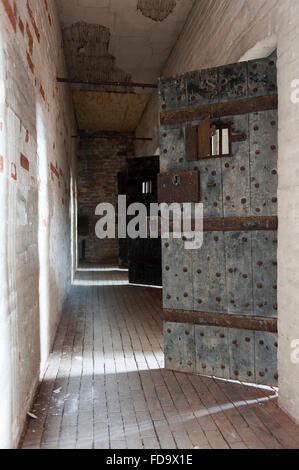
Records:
x=117, y=40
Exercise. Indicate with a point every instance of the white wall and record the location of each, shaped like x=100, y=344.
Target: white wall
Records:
x=36, y=120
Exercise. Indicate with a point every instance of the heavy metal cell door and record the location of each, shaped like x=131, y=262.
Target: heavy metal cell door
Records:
x=220, y=302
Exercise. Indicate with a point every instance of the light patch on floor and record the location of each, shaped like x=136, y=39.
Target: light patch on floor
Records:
x=106, y=386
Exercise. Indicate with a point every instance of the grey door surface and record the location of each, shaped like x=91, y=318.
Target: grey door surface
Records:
x=220, y=302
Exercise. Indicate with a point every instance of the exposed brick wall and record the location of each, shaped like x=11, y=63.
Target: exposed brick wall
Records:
x=99, y=161
x=36, y=162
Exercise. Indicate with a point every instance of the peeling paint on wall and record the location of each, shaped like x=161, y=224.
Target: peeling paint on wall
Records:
x=156, y=10
x=87, y=54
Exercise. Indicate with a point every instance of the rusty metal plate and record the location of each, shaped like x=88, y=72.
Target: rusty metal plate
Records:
x=179, y=187
x=191, y=137
x=218, y=110
x=221, y=320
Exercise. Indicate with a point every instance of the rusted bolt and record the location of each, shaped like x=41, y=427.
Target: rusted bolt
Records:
x=257, y=186
x=255, y=90
x=262, y=374
x=271, y=63
x=218, y=275
x=257, y=152
x=179, y=98
x=275, y=287
x=169, y=358
x=222, y=366
x=276, y=344
x=254, y=66
x=259, y=286
x=185, y=270
x=228, y=198
x=204, y=366
x=260, y=263
x=216, y=239
x=185, y=294
x=246, y=304
x=168, y=297
x=164, y=135
x=247, y=340
x=165, y=151
x=215, y=204
x=243, y=201
x=199, y=301
x=189, y=363
x=260, y=305
x=273, y=147
x=214, y=173
x=273, y=123
x=202, y=335
x=163, y=106
x=192, y=98
x=257, y=209
x=218, y=299
x=275, y=307
x=232, y=301
x=187, y=332
x=274, y=172
x=231, y=270
x=234, y=342
x=242, y=168
x=222, y=335
x=166, y=245
x=256, y=128
x=167, y=268
x=199, y=271
x=226, y=165
x=244, y=239
x=236, y=372
x=276, y=376
x=169, y=330
x=274, y=200
x=261, y=342
x=249, y=373
x=274, y=263
x=245, y=276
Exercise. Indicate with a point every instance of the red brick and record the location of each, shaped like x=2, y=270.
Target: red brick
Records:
x=30, y=39
x=24, y=162
x=14, y=171
x=21, y=26
x=11, y=13
x=30, y=63
x=37, y=33
x=42, y=92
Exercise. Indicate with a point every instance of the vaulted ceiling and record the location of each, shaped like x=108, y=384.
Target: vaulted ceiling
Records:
x=118, y=41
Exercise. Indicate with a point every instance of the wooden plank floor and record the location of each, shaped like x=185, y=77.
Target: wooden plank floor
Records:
x=105, y=385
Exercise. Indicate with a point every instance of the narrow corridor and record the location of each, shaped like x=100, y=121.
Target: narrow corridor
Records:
x=105, y=385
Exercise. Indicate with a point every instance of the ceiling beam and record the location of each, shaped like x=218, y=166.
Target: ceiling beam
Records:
x=116, y=84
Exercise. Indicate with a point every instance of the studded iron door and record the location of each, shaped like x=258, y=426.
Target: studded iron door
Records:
x=220, y=302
